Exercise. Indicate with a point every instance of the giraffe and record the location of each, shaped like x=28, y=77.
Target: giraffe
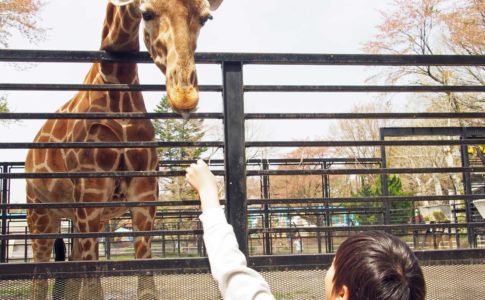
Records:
x=170, y=31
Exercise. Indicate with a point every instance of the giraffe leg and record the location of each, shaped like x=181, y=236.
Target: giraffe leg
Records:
x=144, y=189
x=73, y=285
x=89, y=220
x=41, y=221
x=91, y=287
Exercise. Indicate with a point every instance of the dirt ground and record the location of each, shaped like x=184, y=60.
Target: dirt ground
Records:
x=443, y=282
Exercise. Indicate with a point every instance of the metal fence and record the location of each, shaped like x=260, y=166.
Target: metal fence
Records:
x=463, y=233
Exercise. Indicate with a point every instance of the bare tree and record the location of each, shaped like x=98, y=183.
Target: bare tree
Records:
x=21, y=16
x=428, y=27
x=435, y=27
x=361, y=130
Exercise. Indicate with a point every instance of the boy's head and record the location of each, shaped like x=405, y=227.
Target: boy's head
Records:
x=375, y=265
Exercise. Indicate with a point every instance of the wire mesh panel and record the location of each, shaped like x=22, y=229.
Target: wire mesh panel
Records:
x=443, y=282
x=304, y=284
x=455, y=281
x=186, y=286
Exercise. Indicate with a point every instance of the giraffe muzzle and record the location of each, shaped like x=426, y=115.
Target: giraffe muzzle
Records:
x=183, y=99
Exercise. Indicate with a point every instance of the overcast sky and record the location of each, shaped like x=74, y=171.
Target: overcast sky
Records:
x=284, y=26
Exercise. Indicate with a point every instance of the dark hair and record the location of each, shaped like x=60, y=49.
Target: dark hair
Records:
x=376, y=265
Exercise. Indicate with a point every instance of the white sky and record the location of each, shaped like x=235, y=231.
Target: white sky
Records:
x=284, y=26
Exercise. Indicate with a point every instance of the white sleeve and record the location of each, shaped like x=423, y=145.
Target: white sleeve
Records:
x=228, y=264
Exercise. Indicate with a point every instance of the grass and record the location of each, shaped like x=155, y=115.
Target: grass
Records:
x=291, y=295
x=19, y=290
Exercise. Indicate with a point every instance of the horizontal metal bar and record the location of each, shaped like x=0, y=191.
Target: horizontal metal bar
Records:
x=14, y=55
x=119, y=174
x=81, y=145
x=96, y=87
x=81, y=269
x=368, y=143
x=248, y=88
x=369, y=227
x=99, y=234
x=321, y=261
x=316, y=210
x=276, y=201
x=315, y=160
x=275, y=161
x=126, y=204
x=290, y=262
x=250, y=231
x=98, y=116
x=432, y=131
x=364, y=88
x=365, y=171
x=271, y=202
x=283, y=161
x=69, y=205
x=99, y=174
x=354, y=59
x=427, y=256
x=248, y=58
x=155, y=144
x=124, y=216
x=289, y=116
x=250, y=116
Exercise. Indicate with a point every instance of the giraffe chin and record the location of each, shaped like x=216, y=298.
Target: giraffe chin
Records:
x=183, y=101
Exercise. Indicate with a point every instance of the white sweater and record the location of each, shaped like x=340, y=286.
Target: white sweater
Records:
x=228, y=264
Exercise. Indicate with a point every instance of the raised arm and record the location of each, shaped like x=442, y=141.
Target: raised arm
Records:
x=228, y=264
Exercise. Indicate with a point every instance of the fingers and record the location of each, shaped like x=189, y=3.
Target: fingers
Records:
x=196, y=172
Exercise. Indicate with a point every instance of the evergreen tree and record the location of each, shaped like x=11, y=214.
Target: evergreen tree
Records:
x=3, y=104
x=172, y=130
x=402, y=208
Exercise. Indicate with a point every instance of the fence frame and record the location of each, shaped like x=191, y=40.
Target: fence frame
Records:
x=235, y=172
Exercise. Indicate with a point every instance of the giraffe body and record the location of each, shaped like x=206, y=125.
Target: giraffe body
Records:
x=170, y=33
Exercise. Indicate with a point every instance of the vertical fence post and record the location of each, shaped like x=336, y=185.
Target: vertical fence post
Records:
x=384, y=183
x=164, y=240
x=328, y=214
x=234, y=152
x=107, y=241
x=4, y=196
x=319, y=216
x=467, y=186
x=266, y=235
x=26, y=249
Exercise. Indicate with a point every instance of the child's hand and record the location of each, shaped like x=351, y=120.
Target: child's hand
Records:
x=204, y=182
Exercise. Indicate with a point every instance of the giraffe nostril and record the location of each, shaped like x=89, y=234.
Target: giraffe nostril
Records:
x=175, y=79
x=193, y=78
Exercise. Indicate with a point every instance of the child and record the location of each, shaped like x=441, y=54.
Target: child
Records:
x=374, y=265
x=371, y=265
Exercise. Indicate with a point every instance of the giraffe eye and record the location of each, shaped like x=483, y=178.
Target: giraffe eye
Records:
x=148, y=15
x=204, y=19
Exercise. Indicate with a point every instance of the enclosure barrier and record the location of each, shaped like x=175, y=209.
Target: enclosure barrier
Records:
x=450, y=273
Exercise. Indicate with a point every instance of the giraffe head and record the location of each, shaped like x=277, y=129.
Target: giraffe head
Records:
x=170, y=32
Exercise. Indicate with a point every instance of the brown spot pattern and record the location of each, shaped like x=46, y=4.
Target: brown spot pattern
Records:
x=106, y=159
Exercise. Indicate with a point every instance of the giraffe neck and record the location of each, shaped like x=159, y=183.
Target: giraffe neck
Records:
x=120, y=34
x=120, y=29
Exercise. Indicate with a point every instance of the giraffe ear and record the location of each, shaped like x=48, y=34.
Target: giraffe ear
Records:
x=121, y=2
x=215, y=4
